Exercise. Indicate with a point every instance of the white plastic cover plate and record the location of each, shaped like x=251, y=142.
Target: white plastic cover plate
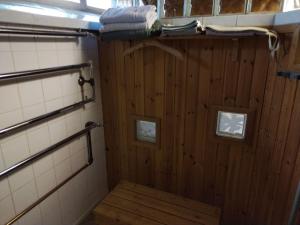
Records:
x=146, y=131
x=231, y=124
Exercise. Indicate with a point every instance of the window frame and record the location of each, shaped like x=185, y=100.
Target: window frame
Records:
x=250, y=127
x=132, y=132
x=81, y=6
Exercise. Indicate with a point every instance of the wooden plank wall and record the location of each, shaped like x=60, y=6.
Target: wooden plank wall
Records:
x=254, y=185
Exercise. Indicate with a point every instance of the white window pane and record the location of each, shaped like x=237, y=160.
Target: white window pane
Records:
x=100, y=4
x=124, y=3
x=146, y=131
x=231, y=124
x=76, y=1
x=290, y=5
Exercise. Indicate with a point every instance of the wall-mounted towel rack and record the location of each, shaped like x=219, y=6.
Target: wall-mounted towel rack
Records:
x=44, y=32
x=38, y=72
x=87, y=131
x=39, y=119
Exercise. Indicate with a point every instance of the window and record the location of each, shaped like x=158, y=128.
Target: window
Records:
x=290, y=5
x=146, y=131
x=231, y=124
x=76, y=1
x=100, y=4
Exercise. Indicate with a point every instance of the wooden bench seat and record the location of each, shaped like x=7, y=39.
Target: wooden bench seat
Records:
x=135, y=204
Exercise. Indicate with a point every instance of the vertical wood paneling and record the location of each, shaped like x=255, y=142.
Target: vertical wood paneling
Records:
x=254, y=183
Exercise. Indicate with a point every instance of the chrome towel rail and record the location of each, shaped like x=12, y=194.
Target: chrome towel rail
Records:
x=44, y=32
x=63, y=110
x=33, y=73
x=14, y=168
x=38, y=119
x=88, y=127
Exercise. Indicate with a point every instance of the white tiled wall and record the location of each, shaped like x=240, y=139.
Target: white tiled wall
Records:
x=26, y=99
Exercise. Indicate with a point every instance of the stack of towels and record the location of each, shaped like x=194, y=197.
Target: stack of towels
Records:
x=191, y=28
x=128, y=23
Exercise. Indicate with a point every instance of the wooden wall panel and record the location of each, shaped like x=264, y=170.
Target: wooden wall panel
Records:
x=173, y=8
x=253, y=184
x=266, y=5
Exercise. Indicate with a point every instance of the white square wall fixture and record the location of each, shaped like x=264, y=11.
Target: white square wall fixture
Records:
x=146, y=131
x=231, y=124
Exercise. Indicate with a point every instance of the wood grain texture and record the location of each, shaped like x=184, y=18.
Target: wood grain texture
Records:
x=253, y=183
x=266, y=5
x=203, y=7
x=130, y=203
x=173, y=8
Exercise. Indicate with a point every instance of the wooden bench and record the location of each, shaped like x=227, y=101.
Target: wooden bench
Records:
x=135, y=204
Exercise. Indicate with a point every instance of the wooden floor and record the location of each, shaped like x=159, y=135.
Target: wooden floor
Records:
x=135, y=204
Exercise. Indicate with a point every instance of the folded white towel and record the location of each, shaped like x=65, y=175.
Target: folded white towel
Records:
x=130, y=26
x=127, y=15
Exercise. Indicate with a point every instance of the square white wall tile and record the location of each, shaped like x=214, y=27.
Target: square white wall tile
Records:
x=66, y=44
x=61, y=154
x=47, y=59
x=46, y=182
x=38, y=139
x=78, y=144
x=31, y=92
x=4, y=189
x=52, y=88
x=14, y=150
x=9, y=97
x=4, y=44
x=2, y=165
x=11, y=118
x=70, y=84
x=57, y=130
x=54, y=105
x=80, y=188
x=25, y=196
x=63, y=170
x=25, y=60
x=6, y=210
x=6, y=62
x=71, y=99
x=43, y=165
x=78, y=160
x=65, y=57
x=73, y=122
x=68, y=203
x=51, y=213
x=33, y=217
x=22, y=43
x=44, y=43
x=33, y=111
x=20, y=178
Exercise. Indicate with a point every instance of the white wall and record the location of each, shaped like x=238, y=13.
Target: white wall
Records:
x=22, y=100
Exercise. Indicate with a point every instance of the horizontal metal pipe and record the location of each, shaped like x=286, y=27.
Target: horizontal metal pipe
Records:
x=37, y=72
x=47, y=151
x=21, y=214
x=20, y=31
x=38, y=119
